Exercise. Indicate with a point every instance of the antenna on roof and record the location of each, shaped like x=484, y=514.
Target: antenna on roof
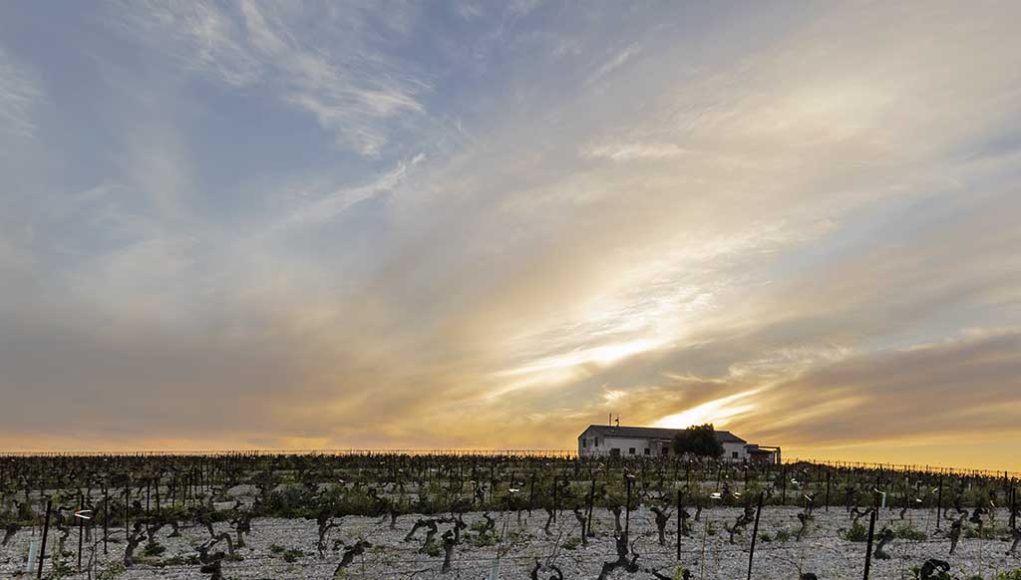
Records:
x=618, y=421
x=609, y=422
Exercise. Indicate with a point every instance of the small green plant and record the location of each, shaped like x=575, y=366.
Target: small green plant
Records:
x=293, y=554
x=571, y=543
x=765, y=537
x=153, y=549
x=857, y=533
x=434, y=549
x=907, y=532
x=61, y=565
x=483, y=540
x=277, y=549
x=782, y=535
x=1014, y=574
x=111, y=571
x=985, y=533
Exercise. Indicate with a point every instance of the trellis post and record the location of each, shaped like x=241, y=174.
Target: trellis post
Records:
x=868, y=547
x=755, y=533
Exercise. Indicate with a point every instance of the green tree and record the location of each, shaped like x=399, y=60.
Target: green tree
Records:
x=699, y=440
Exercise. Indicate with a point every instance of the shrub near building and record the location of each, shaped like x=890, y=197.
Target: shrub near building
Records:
x=698, y=440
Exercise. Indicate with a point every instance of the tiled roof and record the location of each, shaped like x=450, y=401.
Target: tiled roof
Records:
x=653, y=433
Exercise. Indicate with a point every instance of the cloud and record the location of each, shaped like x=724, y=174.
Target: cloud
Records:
x=333, y=204
x=352, y=90
x=19, y=94
x=199, y=36
x=346, y=93
x=616, y=61
x=633, y=151
x=956, y=389
x=796, y=230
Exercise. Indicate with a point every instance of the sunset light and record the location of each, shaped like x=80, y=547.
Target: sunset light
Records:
x=510, y=289
x=280, y=225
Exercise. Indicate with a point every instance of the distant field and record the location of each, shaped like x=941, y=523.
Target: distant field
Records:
x=362, y=515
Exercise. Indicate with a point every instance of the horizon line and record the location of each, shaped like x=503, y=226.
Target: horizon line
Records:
x=490, y=452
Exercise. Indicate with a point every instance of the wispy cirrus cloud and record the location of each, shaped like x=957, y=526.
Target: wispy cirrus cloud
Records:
x=199, y=36
x=633, y=151
x=327, y=207
x=19, y=93
x=616, y=61
x=347, y=92
x=352, y=90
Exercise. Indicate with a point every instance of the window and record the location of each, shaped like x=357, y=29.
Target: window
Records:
x=665, y=451
x=597, y=441
x=733, y=454
x=615, y=452
x=584, y=442
x=631, y=451
x=648, y=451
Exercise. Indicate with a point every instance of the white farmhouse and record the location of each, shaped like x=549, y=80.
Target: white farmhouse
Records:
x=608, y=440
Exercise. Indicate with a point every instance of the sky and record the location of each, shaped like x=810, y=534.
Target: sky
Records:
x=319, y=225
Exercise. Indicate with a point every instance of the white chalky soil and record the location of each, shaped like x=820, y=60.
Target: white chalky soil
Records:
x=707, y=553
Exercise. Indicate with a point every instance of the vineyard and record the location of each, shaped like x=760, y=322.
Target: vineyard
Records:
x=406, y=516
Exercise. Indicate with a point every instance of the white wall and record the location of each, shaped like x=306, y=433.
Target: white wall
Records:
x=729, y=449
x=590, y=450
x=606, y=444
x=624, y=443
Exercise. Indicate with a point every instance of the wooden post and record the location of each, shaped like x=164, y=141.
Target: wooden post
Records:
x=106, y=517
x=939, y=503
x=680, y=522
x=127, y=510
x=783, y=493
x=907, y=487
x=1013, y=506
x=868, y=548
x=755, y=533
x=531, y=494
x=46, y=531
x=828, y=474
x=556, y=499
x=627, y=516
x=591, y=505
x=81, y=525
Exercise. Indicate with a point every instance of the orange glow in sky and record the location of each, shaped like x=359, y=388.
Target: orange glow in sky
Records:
x=291, y=225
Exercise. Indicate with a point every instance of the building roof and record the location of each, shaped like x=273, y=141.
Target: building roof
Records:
x=652, y=433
